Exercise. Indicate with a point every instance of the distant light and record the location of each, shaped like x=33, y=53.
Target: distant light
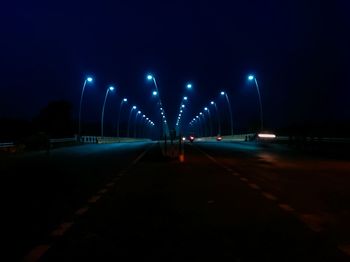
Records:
x=154, y=93
x=183, y=138
x=189, y=86
x=181, y=111
x=161, y=109
x=149, y=77
x=147, y=118
x=197, y=116
x=201, y=113
x=185, y=98
x=134, y=107
x=125, y=100
x=161, y=113
x=267, y=135
x=139, y=112
x=206, y=108
x=222, y=93
x=212, y=102
x=89, y=79
x=111, y=88
x=143, y=116
x=251, y=77
x=183, y=106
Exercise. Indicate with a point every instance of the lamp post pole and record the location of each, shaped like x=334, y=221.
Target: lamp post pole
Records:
x=251, y=78
x=230, y=110
x=218, y=116
x=130, y=114
x=89, y=79
x=111, y=88
x=120, y=110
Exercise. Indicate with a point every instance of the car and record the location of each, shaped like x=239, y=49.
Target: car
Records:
x=191, y=138
x=219, y=138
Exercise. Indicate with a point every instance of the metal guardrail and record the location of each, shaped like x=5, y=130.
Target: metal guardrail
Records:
x=7, y=145
x=63, y=140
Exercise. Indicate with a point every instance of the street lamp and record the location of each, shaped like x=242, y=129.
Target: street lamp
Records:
x=111, y=88
x=87, y=80
x=218, y=116
x=130, y=114
x=229, y=107
x=189, y=86
x=135, y=122
x=156, y=93
x=124, y=100
x=253, y=78
x=206, y=109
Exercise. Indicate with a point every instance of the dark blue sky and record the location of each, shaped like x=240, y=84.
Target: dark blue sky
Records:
x=299, y=50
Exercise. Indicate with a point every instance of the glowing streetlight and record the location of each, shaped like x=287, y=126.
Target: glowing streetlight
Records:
x=124, y=100
x=218, y=117
x=130, y=114
x=189, y=86
x=206, y=109
x=111, y=88
x=253, y=78
x=87, y=80
x=229, y=107
x=135, y=122
x=154, y=93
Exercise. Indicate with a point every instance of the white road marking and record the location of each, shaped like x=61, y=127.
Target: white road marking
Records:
x=286, y=207
x=254, y=186
x=62, y=229
x=94, y=199
x=314, y=222
x=81, y=211
x=345, y=248
x=36, y=253
x=244, y=179
x=103, y=191
x=141, y=156
x=269, y=196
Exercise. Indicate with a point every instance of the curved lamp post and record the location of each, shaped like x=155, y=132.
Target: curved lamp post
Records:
x=135, y=122
x=218, y=116
x=124, y=100
x=130, y=114
x=230, y=110
x=156, y=93
x=253, y=78
x=206, y=109
x=111, y=88
x=87, y=80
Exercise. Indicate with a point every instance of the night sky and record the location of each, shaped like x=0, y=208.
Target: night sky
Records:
x=298, y=50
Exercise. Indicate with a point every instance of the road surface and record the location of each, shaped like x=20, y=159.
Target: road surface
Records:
x=224, y=202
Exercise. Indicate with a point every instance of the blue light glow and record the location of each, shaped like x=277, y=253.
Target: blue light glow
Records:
x=251, y=77
x=149, y=77
x=89, y=79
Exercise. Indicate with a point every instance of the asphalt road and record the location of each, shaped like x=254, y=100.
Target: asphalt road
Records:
x=129, y=202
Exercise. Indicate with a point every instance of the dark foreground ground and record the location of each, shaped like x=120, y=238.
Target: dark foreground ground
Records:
x=225, y=202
